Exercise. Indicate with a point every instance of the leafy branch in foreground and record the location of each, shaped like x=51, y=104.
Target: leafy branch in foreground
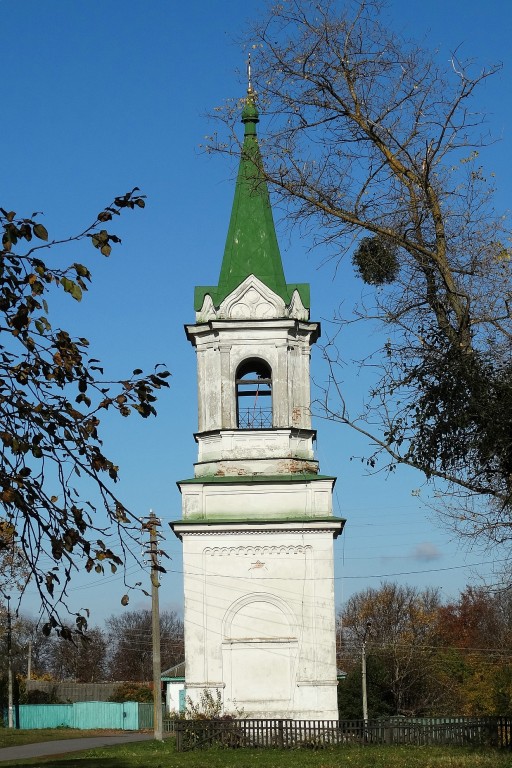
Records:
x=55, y=478
x=374, y=148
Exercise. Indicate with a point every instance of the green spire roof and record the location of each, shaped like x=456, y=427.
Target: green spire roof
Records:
x=251, y=245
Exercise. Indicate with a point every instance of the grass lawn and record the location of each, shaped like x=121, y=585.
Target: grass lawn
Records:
x=12, y=737
x=157, y=755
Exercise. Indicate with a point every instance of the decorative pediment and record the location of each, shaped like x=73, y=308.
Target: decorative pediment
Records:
x=252, y=300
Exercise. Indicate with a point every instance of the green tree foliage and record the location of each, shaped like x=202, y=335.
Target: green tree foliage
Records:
x=475, y=633
x=52, y=397
x=372, y=140
x=426, y=658
x=380, y=698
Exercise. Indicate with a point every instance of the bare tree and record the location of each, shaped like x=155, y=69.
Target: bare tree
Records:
x=15, y=569
x=83, y=660
x=30, y=640
x=375, y=150
x=130, y=642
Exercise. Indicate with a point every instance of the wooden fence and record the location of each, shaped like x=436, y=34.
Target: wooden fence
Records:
x=315, y=734
x=69, y=692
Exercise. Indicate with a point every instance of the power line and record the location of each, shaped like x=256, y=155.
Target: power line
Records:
x=344, y=576
x=426, y=570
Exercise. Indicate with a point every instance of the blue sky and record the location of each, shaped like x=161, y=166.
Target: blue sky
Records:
x=100, y=96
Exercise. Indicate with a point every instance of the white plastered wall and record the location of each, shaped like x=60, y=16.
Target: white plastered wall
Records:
x=260, y=619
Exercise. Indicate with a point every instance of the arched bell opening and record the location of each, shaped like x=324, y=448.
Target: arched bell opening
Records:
x=254, y=394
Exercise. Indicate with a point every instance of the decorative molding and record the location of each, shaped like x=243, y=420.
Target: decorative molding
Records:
x=236, y=529
x=327, y=683
x=207, y=311
x=297, y=309
x=253, y=306
x=259, y=597
x=261, y=641
x=252, y=300
x=255, y=551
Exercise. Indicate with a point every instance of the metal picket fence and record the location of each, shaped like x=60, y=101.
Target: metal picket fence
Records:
x=316, y=734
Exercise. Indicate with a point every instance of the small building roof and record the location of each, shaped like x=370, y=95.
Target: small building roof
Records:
x=173, y=673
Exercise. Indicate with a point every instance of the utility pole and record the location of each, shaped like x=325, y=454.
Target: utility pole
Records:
x=155, y=627
x=10, y=718
x=363, y=674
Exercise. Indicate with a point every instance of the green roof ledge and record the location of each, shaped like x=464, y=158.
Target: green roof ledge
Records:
x=251, y=245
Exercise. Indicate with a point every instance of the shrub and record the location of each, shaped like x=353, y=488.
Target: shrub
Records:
x=132, y=692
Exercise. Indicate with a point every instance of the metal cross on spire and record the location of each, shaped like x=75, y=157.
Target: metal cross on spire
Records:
x=249, y=83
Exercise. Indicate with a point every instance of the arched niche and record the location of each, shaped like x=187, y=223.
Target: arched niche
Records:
x=260, y=644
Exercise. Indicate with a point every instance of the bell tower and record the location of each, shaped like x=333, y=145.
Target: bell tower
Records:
x=257, y=525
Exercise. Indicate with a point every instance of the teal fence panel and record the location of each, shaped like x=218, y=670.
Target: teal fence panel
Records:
x=146, y=715
x=131, y=715
x=106, y=714
x=126, y=716
x=44, y=715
